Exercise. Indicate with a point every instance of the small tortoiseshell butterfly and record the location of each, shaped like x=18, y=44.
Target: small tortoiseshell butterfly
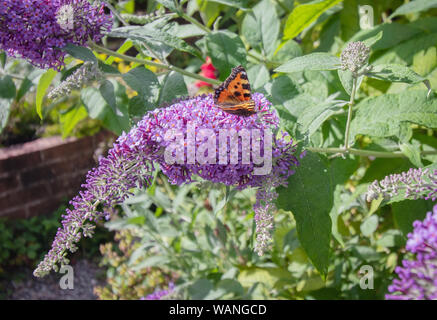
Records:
x=234, y=95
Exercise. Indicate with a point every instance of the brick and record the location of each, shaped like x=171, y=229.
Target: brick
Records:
x=17, y=163
x=62, y=184
x=41, y=174
x=67, y=148
x=9, y=183
x=25, y=195
x=61, y=168
x=36, y=175
x=14, y=213
x=85, y=161
x=43, y=207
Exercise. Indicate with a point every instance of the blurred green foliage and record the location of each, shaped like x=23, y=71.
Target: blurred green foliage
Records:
x=201, y=236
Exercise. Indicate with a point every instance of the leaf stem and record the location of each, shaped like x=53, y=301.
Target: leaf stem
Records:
x=115, y=12
x=101, y=49
x=349, y=114
x=183, y=15
x=367, y=153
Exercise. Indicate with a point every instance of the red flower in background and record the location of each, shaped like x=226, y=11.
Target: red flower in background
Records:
x=208, y=71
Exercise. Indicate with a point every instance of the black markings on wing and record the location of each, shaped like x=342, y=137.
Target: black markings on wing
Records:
x=233, y=94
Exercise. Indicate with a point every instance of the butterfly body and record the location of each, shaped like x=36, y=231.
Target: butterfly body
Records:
x=234, y=95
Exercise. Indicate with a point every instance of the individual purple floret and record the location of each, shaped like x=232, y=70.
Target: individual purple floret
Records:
x=130, y=163
x=160, y=294
x=418, y=278
x=36, y=29
x=415, y=183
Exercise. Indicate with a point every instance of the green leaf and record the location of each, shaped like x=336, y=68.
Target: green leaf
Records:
x=346, y=80
x=311, y=119
x=311, y=201
x=240, y=4
x=349, y=19
x=373, y=40
x=392, y=34
x=407, y=211
x=184, y=31
x=341, y=169
x=261, y=27
x=108, y=93
x=26, y=84
x=80, y=53
x=413, y=7
x=7, y=88
x=200, y=289
x=394, y=73
x=226, y=51
x=381, y=116
x=5, y=109
x=71, y=118
x=43, y=84
x=405, y=52
x=412, y=152
x=147, y=34
x=258, y=76
x=369, y=225
x=147, y=85
x=172, y=87
x=269, y=276
x=287, y=50
x=3, y=59
x=152, y=261
x=209, y=12
x=109, y=70
x=391, y=238
x=304, y=15
x=312, y=61
x=116, y=121
x=171, y=4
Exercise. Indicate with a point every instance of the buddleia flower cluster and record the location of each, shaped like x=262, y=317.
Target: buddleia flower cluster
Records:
x=131, y=162
x=162, y=294
x=82, y=76
x=418, y=276
x=36, y=30
x=413, y=184
x=354, y=56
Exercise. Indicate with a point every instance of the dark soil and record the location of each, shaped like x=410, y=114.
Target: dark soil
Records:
x=87, y=275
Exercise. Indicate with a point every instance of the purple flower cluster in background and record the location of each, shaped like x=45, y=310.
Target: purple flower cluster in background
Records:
x=130, y=163
x=415, y=183
x=161, y=294
x=418, y=278
x=36, y=29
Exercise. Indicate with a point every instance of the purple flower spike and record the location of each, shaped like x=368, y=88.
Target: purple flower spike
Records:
x=131, y=161
x=36, y=29
x=418, y=278
x=415, y=183
x=161, y=294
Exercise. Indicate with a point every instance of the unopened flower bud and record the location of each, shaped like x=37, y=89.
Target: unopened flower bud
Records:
x=355, y=56
x=82, y=76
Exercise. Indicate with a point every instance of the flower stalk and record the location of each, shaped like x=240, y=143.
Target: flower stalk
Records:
x=124, y=57
x=349, y=114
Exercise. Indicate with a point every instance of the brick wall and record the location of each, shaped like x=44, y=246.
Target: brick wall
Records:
x=35, y=177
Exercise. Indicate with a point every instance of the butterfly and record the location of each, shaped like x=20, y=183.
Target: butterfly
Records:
x=234, y=95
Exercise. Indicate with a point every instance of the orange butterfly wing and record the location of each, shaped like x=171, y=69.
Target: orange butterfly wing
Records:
x=234, y=95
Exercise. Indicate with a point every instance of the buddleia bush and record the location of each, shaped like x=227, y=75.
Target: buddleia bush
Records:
x=343, y=94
